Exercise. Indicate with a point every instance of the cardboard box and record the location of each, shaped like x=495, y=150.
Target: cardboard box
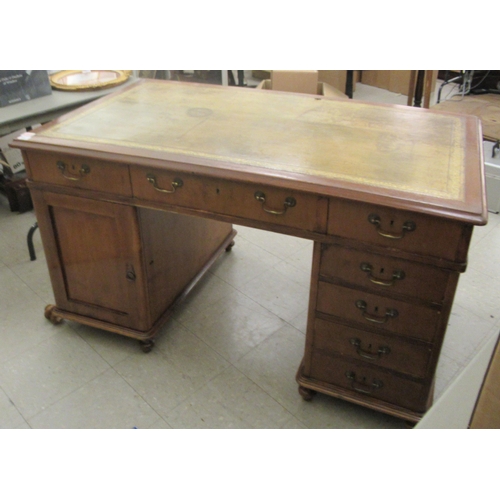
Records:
x=397, y=81
x=322, y=89
x=303, y=82
x=335, y=78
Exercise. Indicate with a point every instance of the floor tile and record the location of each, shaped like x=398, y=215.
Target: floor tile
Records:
x=106, y=402
x=49, y=371
x=232, y=326
x=23, y=324
x=479, y=293
x=178, y=366
x=245, y=262
x=111, y=347
x=231, y=401
x=209, y=290
x=10, y=418
x=280, y=245
x=280, y=294
x=35, y=275
x=465, y=334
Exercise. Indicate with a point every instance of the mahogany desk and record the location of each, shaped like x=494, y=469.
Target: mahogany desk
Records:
x=135, y=195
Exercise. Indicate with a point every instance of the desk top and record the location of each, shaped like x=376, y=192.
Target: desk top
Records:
x=381, y=153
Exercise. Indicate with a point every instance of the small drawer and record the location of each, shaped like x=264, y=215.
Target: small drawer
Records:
x=366, y=380
x=406, y=231
x=245, y=200
x=382, y=273
x=371, y=310
x=379, y=350
x=79, y=172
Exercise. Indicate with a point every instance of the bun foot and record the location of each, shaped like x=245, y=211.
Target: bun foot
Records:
x=51, y=315
x=230, y=246
x=307, y=394
x=147, y=345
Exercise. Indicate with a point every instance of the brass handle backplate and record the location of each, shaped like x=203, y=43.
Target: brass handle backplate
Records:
x=362, y=385
x=368, y=354
x=84, y=170
x=408, y=227
x=390, y=313
x=396, y=275
x=176, y=183
x=289, y=203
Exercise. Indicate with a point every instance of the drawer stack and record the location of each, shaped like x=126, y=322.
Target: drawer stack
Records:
x=381, y=295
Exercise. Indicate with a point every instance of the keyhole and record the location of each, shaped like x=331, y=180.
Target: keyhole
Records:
x=392, y=223
x=217, y=190
x=376, y=308
x=381, y=270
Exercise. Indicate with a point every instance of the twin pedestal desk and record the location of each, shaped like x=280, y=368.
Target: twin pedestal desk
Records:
x=135, y=196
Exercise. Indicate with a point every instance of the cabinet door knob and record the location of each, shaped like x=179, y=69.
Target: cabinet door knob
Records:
x=408, y=227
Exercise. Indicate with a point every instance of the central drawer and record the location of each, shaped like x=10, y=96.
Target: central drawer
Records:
x=374, y=311
x=235, y=199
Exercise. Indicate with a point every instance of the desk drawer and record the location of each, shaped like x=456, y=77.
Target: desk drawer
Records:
x=383, y=313
x=382, y=273
x=79, y=172
x=379, y=350
x=368, y=381
x=407, y=231
x=218, y=196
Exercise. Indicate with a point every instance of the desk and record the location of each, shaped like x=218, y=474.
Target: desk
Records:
x=135, y=196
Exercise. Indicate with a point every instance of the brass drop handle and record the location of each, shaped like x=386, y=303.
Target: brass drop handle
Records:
x=369, y=354
x=408, y=226
x=289, y=203
x=84, y=170
x=361, y=385
x=396, y=275
x=390, y=313
x=176, y=183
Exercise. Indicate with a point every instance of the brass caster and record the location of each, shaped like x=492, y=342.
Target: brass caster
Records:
x=147, y=345
x=51, y=315
x=307, y=394
x=230, y=246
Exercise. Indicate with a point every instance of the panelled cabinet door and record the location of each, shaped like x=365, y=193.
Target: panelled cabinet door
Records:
x=97, y=271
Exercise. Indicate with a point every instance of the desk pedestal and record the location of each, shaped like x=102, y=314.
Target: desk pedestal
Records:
x=123, y=268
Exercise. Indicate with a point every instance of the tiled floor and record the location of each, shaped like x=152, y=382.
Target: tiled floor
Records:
x=226, y=360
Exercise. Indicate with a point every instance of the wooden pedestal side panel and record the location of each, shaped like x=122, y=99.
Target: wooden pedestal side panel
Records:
x=94, y=256
x=175, y=249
